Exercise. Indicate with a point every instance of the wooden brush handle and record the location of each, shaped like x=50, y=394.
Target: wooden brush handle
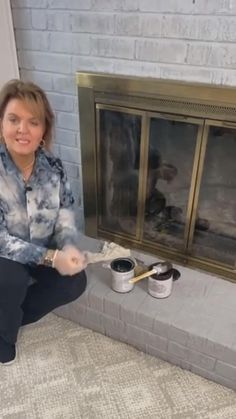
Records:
x=142, y=276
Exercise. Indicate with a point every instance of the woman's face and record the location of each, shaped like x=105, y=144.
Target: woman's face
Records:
x=22, y=131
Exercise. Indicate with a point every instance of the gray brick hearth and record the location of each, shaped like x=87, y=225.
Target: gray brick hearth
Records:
x=194, y=328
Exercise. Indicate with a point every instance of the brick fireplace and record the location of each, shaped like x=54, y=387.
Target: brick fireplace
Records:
x=159, y=168
x=191, y=41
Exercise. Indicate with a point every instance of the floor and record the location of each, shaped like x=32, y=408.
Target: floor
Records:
x=66, y=371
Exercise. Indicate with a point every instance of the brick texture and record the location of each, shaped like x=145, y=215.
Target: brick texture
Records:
x=170, y=39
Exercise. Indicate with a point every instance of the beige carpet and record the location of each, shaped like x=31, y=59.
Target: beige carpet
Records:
x=66, y=371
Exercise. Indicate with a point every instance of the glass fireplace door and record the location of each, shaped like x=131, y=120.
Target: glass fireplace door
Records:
x=174, y=145
x=147, y=168
x=214, y=237
x=119, y=137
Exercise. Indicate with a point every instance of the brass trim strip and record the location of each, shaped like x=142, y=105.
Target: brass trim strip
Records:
x=177, y=118
x=105, y=106
x=173, y=107
x=165, y=253
x=99, y=178
x=199, y=165
x=143, y=169
x=122, y=236
x=88, y=155
x=194, y=188
x=225, y=124
x=152, y=87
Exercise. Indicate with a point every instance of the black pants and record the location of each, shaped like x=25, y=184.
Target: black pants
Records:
x=21, y=303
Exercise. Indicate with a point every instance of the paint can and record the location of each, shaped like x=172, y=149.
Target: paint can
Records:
x=160, y=285
x=122, y=270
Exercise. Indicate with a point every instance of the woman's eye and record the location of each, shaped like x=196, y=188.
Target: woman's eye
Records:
x=13, y=120
x=35, y=123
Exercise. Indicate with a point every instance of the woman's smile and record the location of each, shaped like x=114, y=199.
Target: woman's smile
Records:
x=23, y=141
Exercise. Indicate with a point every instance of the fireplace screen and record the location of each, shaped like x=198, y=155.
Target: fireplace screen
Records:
x=170, y=157
x=119, y=167
x=215, y=235
x=164, y=177
x=172, y=145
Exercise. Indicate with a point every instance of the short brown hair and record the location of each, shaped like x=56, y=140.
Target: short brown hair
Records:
x=32, y=95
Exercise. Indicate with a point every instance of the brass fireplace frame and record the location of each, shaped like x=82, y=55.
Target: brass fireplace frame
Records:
x=202, y=104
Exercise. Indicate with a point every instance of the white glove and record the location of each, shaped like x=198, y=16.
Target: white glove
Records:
x=65, y=264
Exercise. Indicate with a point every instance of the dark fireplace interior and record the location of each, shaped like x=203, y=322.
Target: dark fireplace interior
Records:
x=164, y=181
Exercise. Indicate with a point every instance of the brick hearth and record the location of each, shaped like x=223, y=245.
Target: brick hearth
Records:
x=193, y=328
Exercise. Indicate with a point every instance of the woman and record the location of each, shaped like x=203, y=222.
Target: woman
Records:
x=40, y=265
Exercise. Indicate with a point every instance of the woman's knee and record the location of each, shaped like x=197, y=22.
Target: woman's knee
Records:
x=77, y=286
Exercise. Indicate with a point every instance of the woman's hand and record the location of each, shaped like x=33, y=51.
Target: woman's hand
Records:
x=76, y=255
x=69, y=261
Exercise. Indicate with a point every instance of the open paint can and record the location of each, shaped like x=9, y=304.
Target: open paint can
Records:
x=160, y=285
x=122, y=270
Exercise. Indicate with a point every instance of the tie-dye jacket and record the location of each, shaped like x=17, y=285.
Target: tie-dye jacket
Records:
x=36, y=216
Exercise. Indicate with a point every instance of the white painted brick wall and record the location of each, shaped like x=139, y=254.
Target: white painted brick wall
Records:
x=191, y=40
x=69, y=43
x=112, y=47
x=161, y=51
x=37, y=41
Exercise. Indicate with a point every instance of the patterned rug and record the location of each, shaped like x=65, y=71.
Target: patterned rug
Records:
x=64, y=371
